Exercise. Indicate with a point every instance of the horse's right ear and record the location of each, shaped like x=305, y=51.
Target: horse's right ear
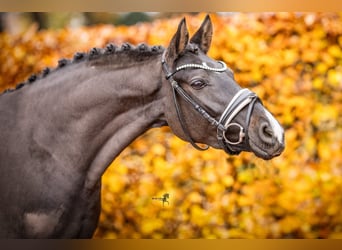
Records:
x=178, y=43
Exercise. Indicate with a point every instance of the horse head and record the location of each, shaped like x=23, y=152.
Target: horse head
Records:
x=204, y=104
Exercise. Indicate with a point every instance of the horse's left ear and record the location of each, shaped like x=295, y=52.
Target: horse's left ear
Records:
x=203, y=35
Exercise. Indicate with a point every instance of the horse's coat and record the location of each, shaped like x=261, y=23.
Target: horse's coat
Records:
x=61, y=130
x=40, y=225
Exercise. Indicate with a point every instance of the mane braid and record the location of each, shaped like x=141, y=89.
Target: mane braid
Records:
x=139, y=52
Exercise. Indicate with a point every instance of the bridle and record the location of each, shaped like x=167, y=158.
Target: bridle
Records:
x=242, y=98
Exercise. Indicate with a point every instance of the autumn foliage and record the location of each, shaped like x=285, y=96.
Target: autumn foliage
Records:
x=293, y=62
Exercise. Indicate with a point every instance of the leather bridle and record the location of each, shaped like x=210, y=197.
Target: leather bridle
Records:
x=242, y=98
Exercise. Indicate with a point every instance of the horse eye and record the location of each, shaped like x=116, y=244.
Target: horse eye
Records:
x=198, y=84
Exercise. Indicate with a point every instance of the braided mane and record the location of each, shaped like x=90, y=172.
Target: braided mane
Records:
x=137, y=53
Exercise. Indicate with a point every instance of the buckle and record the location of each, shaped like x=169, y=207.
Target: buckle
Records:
x=241, y=134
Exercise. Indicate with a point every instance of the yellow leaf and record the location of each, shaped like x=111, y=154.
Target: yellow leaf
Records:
x=149, y=225
x=228, y=181
x=335, y=77
x=324, y=114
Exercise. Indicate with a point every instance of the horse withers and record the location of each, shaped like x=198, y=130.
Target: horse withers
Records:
x=61, y=129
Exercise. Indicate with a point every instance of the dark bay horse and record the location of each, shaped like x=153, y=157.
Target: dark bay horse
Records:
x=61, y=129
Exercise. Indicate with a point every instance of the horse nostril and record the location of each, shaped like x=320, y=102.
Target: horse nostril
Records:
x=266, y=133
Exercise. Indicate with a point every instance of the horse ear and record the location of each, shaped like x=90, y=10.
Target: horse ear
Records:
x=178, y=43
x=203, y=35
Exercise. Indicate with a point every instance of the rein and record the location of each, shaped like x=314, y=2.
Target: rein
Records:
x=241, y=99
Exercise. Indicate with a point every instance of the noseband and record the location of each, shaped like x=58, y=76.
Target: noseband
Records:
x=242, y=98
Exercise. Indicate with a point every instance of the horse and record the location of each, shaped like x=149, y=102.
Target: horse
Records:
x=163, y=199
x=62, y=128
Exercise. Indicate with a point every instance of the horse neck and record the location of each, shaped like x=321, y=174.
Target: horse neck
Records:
x=91, y=112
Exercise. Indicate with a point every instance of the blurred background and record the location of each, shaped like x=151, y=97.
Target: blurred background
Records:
x=18, y=22
x=293, y=61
